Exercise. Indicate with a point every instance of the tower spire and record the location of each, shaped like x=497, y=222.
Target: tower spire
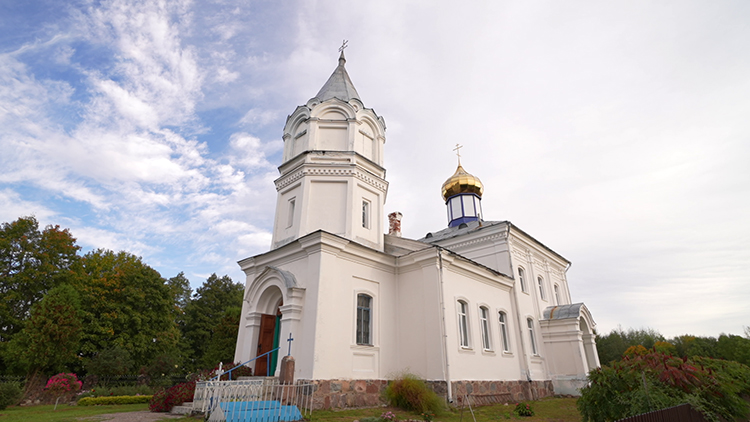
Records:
x=339, y=85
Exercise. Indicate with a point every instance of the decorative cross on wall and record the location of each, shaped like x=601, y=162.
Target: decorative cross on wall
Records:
x=290, y=340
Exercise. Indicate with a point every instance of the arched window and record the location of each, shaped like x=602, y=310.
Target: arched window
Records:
x=532, y=337
x=542, y=294
x=557, y=294
x=484, y=323
x=521, y=279
x=463, y=324
x=504, y=331
x=364, y=319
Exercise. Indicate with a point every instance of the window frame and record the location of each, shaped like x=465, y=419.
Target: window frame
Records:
x=484, y=328
x=532, y=337
x=556, y=289
x=290, y=211
x=542, y=290
x=502, y=317
x=361, y=329
x=464, y=341
x=522, y=279
x=366, y=213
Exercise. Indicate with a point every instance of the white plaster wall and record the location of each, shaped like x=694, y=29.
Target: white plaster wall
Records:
x=419, y=319
x=474, y=363
x=336, y=354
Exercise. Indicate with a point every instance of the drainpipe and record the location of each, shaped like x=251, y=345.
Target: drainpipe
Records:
x=444, y=351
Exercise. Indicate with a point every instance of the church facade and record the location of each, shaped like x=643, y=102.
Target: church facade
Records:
x=479, y=307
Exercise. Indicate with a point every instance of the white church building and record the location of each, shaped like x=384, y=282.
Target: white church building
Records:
x=480, y=307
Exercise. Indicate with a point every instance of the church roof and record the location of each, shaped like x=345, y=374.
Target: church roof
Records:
x=476, y=226
x=462, y=229
x=339, y=85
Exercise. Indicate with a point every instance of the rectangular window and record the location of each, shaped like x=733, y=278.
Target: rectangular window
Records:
x=366, y=214
x=541, y=288
x=504, y=332
x=290, y=216
x=469, y=210
x=364, y=314
x=463, y=325
x=532, y=337
x=557, y=294
x=521, y=279
x=483, y=316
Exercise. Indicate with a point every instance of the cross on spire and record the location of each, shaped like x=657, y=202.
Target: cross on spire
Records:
x=458, y=152
x=343, y=46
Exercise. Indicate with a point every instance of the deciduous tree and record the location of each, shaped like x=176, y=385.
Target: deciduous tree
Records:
x=127, y=304
x=204, y=313
x=31, y=263
x=50, y=338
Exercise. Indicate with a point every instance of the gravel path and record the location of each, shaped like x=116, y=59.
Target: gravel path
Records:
x=142, y=416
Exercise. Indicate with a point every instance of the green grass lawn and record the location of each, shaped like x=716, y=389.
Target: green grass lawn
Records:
x=546, y=410
x=64, y=413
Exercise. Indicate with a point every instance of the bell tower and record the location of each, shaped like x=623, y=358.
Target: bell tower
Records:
x=332, y=177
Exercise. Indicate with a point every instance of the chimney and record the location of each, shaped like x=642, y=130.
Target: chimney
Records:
x=394, y=224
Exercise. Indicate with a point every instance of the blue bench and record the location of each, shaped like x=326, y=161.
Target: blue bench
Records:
x=259, y=411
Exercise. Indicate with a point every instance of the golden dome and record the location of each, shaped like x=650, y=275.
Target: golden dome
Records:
x=462, y=182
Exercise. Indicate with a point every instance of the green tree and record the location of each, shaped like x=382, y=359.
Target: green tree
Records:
x=734, y=348
x=611, y=346
x=224, y=339
x=110, y=362
x=204, y=313
x=50, y=338
x=127, y=304
x=31, y=263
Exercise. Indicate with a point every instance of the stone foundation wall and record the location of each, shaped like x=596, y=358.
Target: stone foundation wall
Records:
x=341, y=394
x=490, y=392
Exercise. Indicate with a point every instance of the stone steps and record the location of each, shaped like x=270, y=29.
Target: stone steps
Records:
x=183, y=409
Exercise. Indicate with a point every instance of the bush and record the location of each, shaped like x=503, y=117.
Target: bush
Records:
x=122, y=390
x=10, y=393
x=164, y=400
x=63, y=383
x=523, y=409
x=409, y=392
x=100, y=401
x=654, y=381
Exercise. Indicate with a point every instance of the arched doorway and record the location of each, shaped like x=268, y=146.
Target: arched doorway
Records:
x=269, y=332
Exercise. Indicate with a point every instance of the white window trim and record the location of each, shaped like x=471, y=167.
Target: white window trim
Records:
x=366, y=213
x=485, y=328
x=556, y=289
x=290, y=211
x=504, y=331
x=522, y=279
x=531, y=327
x=373, y=319
x=542, y=290
x=464, y=325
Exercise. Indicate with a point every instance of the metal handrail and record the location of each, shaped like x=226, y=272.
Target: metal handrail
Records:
x=268, y=364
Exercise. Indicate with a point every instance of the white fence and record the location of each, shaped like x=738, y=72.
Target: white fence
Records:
x=258, y=400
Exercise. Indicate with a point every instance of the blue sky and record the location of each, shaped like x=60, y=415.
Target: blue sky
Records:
x=615, y=133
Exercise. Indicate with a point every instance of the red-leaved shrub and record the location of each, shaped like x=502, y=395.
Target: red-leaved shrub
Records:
x=164, y=400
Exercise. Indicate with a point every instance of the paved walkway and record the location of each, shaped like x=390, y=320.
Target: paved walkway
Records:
x=142, y=416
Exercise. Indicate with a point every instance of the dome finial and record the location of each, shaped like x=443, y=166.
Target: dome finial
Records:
x=458, y=153
x=342, y=59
